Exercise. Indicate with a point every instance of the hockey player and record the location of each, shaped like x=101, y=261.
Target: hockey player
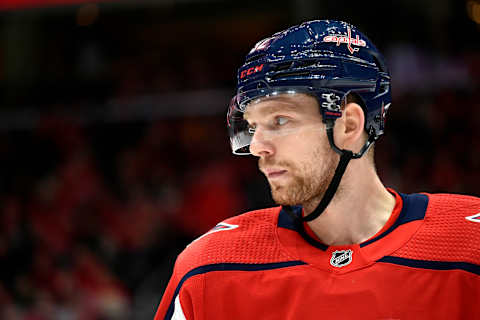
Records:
x=311, y=101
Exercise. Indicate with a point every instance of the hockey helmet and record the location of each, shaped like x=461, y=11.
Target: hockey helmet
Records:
x=324, y=58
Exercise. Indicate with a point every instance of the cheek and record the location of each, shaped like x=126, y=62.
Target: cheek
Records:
x=296, y=147
x=309, y=140
x=308, y=154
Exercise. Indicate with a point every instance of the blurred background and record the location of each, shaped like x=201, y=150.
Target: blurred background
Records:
x=113, y=148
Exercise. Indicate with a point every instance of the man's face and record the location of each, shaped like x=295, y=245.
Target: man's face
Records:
x=293, y=149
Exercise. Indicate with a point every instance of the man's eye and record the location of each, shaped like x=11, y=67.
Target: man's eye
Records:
x=281, y=121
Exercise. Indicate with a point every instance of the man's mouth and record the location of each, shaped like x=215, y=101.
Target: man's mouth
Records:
x=274, y=173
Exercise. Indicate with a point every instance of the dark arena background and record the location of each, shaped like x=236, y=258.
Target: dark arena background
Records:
x=113, y=145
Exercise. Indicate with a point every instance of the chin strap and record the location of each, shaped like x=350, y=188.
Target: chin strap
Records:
x=328, y=196
x=345, y=157
x=332, y=187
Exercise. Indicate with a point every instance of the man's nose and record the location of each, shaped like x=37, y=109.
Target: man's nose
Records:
x=260, y=146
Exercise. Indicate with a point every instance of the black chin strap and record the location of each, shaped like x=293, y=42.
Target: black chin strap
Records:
x=332, y=187
x=328, y=196
x=345, y=157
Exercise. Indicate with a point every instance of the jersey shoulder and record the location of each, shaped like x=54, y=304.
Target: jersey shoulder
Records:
x=450, y=230
x=454, y=213
x=249, y=238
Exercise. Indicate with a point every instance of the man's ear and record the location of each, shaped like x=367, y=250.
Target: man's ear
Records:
x=349, y=133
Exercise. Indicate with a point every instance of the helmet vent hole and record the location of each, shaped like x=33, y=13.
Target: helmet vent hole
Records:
x=282, y=66
x=255, y=57
x=287, y=75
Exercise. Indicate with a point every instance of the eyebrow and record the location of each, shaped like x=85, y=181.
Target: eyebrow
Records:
x=277, y=107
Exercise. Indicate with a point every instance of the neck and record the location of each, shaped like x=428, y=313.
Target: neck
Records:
x=360, y=208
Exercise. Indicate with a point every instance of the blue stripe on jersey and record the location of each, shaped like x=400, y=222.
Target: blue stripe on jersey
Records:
x=414, y=208
x=433, y=265
x=228, y=267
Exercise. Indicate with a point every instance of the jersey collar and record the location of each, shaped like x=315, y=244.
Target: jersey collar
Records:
x=407, y=216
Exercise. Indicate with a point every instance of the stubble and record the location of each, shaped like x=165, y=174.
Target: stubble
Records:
x=308, y=180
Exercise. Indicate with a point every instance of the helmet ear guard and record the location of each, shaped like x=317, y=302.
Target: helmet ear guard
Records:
x=330, y=123
x=329, y=128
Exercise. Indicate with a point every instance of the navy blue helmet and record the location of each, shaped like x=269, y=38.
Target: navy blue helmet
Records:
x=326, y=59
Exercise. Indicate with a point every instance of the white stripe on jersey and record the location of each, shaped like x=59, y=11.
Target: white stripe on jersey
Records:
x=177, y=311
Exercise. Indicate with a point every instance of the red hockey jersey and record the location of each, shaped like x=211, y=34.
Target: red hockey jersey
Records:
x=260, y=265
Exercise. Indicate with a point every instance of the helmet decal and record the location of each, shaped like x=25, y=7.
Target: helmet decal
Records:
x=251, y=70
x=339, y=39
x=332, y=103
x=261, y=45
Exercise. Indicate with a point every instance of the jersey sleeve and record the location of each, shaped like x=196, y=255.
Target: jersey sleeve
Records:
x=182, y=299
x=246, y=239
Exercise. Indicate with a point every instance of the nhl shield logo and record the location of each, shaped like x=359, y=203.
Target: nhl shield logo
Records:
x=341, y=258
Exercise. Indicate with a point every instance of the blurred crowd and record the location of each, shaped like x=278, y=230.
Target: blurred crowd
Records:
x=92, y=215
x=88, y=213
